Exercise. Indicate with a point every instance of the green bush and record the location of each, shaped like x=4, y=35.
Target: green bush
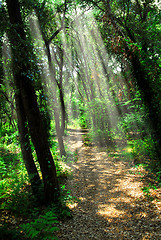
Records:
x=142, y=147
x=132, y=122
x=8, y=134
x=8, y=160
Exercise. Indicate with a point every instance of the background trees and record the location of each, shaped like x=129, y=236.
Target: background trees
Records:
x=130, y=38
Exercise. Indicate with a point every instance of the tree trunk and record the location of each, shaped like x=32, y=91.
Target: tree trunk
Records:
x=142, y=80
x=148, y=99
x=26, y=148
x=59, y=83
x=39, y=139
x=57, y=125
x=61, y=94
x=63, y=111
x=29, y=100
x=53, y=95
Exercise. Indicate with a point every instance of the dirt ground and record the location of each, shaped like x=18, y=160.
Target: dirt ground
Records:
x=110, y=201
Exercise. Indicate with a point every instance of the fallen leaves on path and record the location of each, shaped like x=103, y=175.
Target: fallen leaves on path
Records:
x=111, y=202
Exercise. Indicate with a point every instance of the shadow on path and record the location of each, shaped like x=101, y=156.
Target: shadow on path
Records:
x=112, y=204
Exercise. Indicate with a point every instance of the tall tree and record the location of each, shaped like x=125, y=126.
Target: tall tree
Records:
x=21, y=50
x=52, y=71
x=133, y=34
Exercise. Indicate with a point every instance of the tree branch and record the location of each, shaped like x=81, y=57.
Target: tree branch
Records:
x=54, y=35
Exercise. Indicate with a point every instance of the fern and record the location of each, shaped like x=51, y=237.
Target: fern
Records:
x=42, y=228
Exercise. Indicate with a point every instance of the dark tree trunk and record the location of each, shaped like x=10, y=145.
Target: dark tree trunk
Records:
x=39, y=139
x=26, y=148
x=63, y=111
x=148, y=95
x=25, y=89
x=61, y=94
x=142, y=80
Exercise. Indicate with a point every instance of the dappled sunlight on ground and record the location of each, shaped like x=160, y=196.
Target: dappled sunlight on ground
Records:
x=74, y=139
x=111, y=203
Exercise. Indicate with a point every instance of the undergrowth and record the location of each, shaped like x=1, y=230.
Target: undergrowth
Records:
x=41, y=228
x=22, y=216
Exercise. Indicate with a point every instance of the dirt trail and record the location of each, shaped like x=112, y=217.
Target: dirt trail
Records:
x=112, y=204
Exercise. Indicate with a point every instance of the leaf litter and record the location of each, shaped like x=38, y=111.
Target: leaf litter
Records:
x=112, y=203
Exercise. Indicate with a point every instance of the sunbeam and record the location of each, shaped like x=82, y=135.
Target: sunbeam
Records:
x=96, y=69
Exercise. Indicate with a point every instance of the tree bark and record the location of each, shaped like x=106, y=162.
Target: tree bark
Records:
x=56, y=114
x=61, y=93
x=148, y=99
x=39, y=139
x=26, y=148
x=24, y=88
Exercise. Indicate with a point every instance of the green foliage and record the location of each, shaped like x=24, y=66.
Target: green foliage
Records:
x=79, y=112
x=143, y=147
x=146, y=191
x=70, y=157
x=54, y=148
x=83, y=120
x=143, y=152
x=142, y=31
x=62, y=211
x=82, y=115
x=16, y=194
x=15, y=191
x=86, y=140
x=8, y=134
x=16, y=197
x=8, y=160
x=99, y=121
x=99, y=137
x=133, y=122
x=74, y=123
x=52, y=132
x=158, y=175
x=62, y=173
x=42, y=228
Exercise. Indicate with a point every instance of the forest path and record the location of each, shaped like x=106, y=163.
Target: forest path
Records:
x=112, y=204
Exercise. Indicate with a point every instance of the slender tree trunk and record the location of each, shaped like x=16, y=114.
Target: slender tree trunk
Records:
x=80, y=78
x=57, y=125
x=61, y=94
x=56, y=114
x=63, y=111
x=59, y=84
